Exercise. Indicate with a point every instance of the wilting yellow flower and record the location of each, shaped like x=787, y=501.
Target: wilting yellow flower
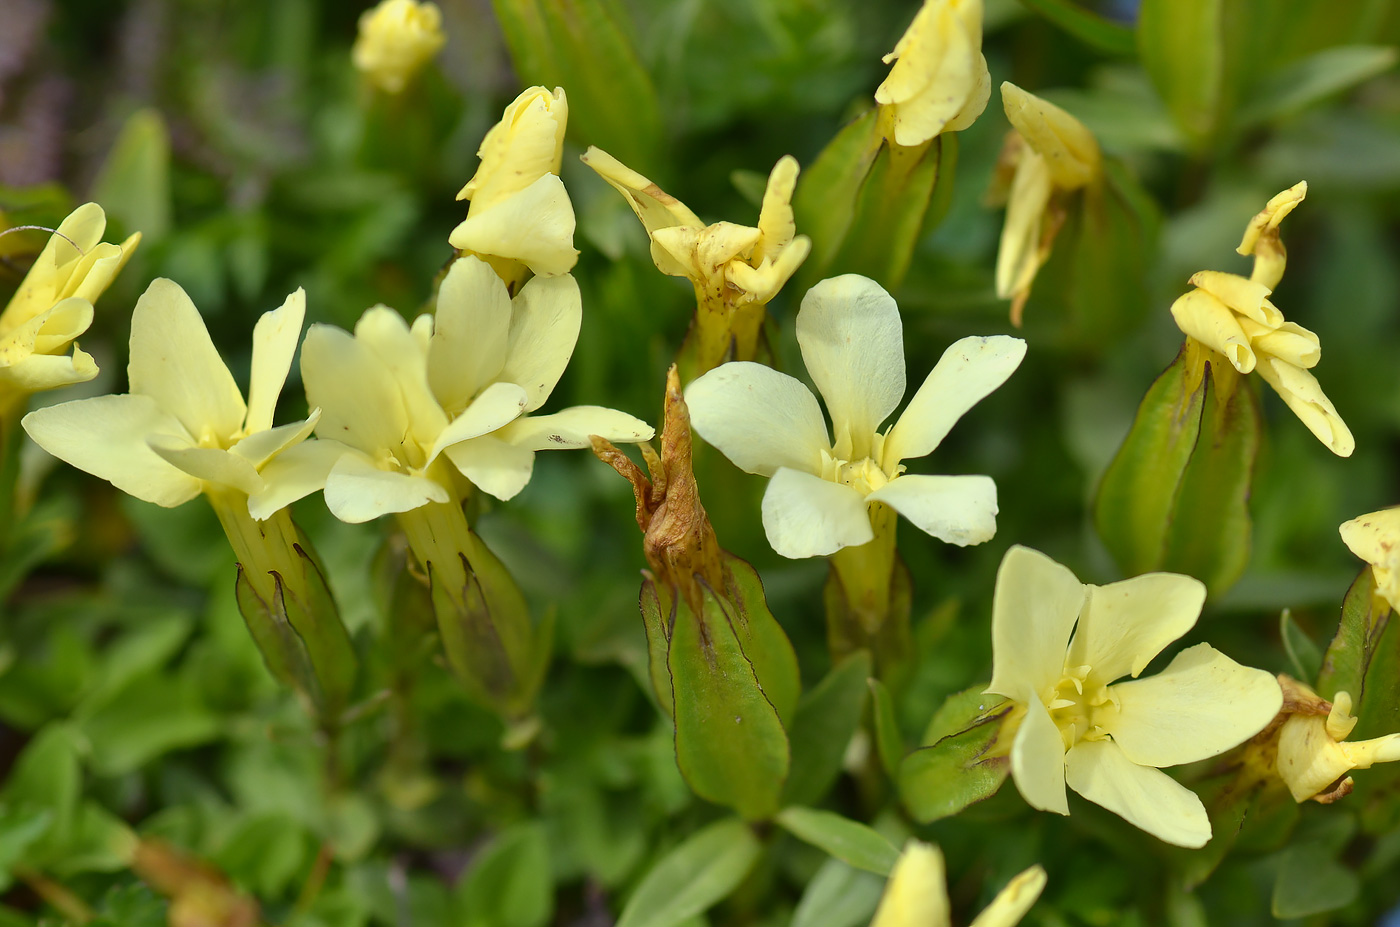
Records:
x=1233, y=315
x=397, y=38
x=1313, y=755
x=53, y=306
x=821, y=491
x=520, y=211
x=916, y=895
x=451, y=395
x=1375, y=538
x=735, y=269
x=1052, y=155
x=939, y=82
x=1075, y=725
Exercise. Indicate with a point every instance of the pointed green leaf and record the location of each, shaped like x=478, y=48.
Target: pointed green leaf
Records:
x=693, y=876
x=1309, y=80
x=657, y=619
x=849, y=841
x=134, y=183
x=826, y=719
x=1305, y=656
x=763, y=640
x=960, y=767
x=1364, y=619
x=730, y=744
x=510, y=883
x=824, y=203
x=838, y=896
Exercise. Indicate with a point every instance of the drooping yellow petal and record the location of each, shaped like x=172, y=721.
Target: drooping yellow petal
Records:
x=275, y=338
x=655, y=207
x=1145, y=797
x=1302, y=393
x=1208, y=320
x=1020, y=252
x=175, y=363
x=1313, y=756
x=1290, y=343
x=1201, y=705
x=1070, y=151
x=938, y=69
x=1249, y=298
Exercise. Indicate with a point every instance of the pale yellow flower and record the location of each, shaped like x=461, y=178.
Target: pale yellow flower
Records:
x=821, y=490
x=184, y=428
x=420, y=408
x=1052, y=155
x=1314, y=756
x=1233, y=315
x=520, y=211
x=735, y=269
x=916, y=895
x=939, y=82
x=397, y=38
x=1058, y=648
x=53, y=306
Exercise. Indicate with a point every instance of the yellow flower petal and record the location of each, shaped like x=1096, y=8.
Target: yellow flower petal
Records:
x=1290, y=343
x=1375, y=538
x=1020, y=252
x=545, y=318
x=957, y=510
x=1013, y=901
x=1071, y=154
x=1302, y=393
x=357, y=491
x=1034, y=608
x=387, y=335
x=107, y=436
x=655, y=207
x=396, y=39
x=294, y=473
x=1209, y=321
x=496, y=467
x=915, y=895
x=275, y=338
x=775, y=221
x=572, y=428
x=470, y=333
x=498, y=404
x=1126, y=624
x=175, y=363
x=210, y=464
x=358, y=397
x=937, y=69
x=525, y=145
x=262, y=446
x=762, y=420
x=1201, y=705
x=807, y=516
x=1145, y=797
x=1038, y=760
x=1247, y=297
x=534, y=226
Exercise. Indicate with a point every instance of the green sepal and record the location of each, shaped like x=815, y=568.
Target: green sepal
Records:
x=693, y=876
x=888, y=740
x=763, y=640
x=1348, y=659
x=474, y=649
x=281, y=647
x=730, y=744
x=826, y=719
x=1176, y=495
x=966, y=760
x=850, y=841
x=582, y=47
x=865, y=203
x=316, y=620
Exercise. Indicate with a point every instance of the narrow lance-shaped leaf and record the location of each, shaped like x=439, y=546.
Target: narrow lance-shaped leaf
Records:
x=1364, y=619
x=693, y=876
x=826, y=719
x=850, y=841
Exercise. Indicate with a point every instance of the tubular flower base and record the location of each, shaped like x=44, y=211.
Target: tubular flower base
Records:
x=735, y=269
x=521, y=220
x=1051, y=156
x=53, y=306
x=1233, y=315
x=916, y=895
x=939, y=82
x=1107, y=740
x=1314, y=757
x=397, y=40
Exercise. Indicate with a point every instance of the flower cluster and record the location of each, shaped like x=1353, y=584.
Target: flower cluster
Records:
x=1233, y=315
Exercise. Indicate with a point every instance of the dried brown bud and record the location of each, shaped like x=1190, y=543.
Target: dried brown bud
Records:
x=678, y=540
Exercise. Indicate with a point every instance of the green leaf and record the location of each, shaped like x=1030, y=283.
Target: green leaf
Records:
x=47, y=776
x=510, y=883
x=264, y=853
x=1310, y=878
x=763, y=640
x=153, y=715
x=578, y=45
x=657, y=620
x=826, y=719
x=838, y=896
x=20, y=828
x=1088, y=27
x=824, y=202
x=1365, y=616
x=888, y=740
x=693, y=876
x=849, y=841
x=133, y=185
x=1309, y=80
x=730, y=743
x=1302, y=652
x=100, y=842
x=956, y=770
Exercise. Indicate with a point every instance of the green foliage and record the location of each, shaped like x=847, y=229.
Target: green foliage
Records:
x=965, y=760
x=693, y=876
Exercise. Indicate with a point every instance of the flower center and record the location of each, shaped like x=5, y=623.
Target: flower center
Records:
x=1074, y=705
x=864, y=474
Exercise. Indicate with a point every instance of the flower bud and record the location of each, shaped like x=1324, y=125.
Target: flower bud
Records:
x=397, y=38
